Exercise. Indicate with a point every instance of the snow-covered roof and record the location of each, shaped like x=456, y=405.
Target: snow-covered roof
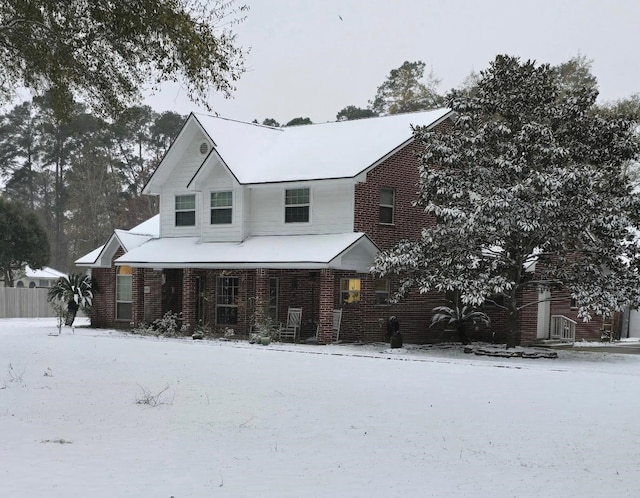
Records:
x=148, y=227
x=90, y=258
x=127, y=239
x=43, y=273
x=262, y=154
x=351, y=250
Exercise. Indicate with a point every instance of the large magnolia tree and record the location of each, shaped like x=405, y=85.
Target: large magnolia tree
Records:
x=107, y=52
x=528, y=174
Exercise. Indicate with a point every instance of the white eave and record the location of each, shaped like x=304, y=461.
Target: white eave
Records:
x=348, y=251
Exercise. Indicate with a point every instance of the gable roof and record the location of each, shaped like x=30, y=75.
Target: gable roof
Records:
x=257, y=154
x=127, y=239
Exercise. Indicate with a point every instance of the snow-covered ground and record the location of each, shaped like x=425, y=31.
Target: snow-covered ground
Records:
x=241, y=420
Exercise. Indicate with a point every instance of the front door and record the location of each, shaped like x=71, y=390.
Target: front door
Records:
x=544, y=313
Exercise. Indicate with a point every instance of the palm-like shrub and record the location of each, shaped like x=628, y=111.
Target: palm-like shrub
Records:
x=71, y=293
x=459, y=316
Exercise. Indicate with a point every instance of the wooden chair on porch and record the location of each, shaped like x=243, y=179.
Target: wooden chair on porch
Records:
x=292, y=329
x=335, y=327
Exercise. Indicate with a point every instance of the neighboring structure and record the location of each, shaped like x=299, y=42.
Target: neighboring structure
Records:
x=255, y=220
x=44, y=277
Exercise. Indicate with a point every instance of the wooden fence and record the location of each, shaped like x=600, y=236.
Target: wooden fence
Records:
x=24, y=303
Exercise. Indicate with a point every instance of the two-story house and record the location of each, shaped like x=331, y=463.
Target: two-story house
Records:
x=255, y=220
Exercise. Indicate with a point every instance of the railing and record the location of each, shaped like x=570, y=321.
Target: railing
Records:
x=563, y=328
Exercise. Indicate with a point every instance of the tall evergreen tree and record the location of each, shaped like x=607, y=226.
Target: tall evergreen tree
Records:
x=405, y=91
x=24, y=241
x=528, y=174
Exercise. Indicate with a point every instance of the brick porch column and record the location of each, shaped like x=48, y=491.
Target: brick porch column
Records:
x=137, y=296
x=325, y=313
x=189, y=298
x=262, y=293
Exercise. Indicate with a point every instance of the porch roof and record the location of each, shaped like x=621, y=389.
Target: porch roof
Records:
x=348, y=251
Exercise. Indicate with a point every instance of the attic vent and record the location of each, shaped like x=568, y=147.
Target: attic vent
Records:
x=204, y=148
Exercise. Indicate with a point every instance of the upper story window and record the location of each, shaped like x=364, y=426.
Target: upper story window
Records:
x=296, y=205
x=387, y=197
x=221, y=208
x=185, y=210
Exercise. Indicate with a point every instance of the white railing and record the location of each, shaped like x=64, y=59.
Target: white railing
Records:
x=563, y=328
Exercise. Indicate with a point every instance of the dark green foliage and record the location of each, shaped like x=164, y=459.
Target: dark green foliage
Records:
x=352, y=112
x=299, y=121
x=82, y=176
x=24, y=241
x=460, y=316
x=73, y=292
x=404, y=91
x=107, y=52
x=271, y=122
x=529, y=177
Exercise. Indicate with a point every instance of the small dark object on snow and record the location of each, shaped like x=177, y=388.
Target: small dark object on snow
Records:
x=396, y=340
x=393, y=332
x=393, y=325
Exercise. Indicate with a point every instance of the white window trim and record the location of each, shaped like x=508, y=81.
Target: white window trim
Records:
x=376, y=292
x=195, y=209
x=392, y=206
x=119, y=301
x=350, y=292
x=233, y=201
x=285, y=206
x=227, y=305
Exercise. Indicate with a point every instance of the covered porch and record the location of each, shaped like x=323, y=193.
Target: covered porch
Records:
x=235, y=285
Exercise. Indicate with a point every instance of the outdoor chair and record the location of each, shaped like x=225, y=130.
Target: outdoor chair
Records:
x=292, y=329
x=335, y=327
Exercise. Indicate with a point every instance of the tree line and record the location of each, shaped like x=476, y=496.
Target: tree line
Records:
x=411, y=88
x=82, y=175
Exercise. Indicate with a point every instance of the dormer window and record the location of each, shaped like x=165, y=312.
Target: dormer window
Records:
x=221, y=208
x=296, y=205
x=185, y=210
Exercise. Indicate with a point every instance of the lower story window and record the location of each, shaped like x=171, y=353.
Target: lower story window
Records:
x=124, y=285
x=227, y=300
x=382, y=291
x=350, y=290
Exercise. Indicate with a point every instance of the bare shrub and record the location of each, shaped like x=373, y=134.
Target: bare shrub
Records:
x=146, y=397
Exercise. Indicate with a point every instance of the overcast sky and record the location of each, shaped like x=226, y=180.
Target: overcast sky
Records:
x=312, y=58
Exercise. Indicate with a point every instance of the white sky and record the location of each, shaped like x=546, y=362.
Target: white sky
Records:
x=306, y=61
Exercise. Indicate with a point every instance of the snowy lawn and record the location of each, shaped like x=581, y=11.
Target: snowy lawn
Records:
x=240, y=420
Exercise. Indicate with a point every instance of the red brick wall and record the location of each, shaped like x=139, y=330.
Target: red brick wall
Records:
x=400, y=173
x=103, y=311
x=588, y=331
x=152, y=295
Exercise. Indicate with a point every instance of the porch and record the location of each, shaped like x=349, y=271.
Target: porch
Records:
x=238, y=299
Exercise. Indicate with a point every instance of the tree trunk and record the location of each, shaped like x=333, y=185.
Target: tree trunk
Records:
x=72, y=311
x=512, y=323
x=462, y=333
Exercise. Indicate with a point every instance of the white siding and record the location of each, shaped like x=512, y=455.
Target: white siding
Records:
x=221, y=180
x=177, y=185
x=331, y=209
